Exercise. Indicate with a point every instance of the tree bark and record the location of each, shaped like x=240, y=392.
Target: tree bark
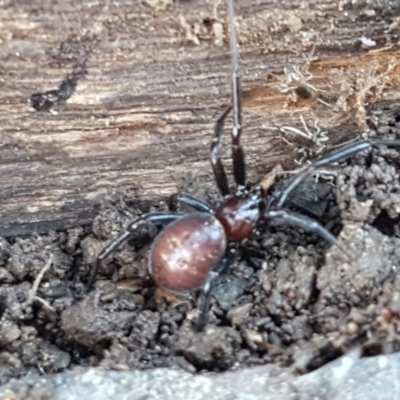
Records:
x=158, y=76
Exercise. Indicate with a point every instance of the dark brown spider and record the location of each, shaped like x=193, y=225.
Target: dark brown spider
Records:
x=194, y=248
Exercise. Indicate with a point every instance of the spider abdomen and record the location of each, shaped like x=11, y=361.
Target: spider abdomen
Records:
x=185, y=252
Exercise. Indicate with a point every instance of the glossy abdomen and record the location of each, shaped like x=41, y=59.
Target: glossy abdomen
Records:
x=185, y=252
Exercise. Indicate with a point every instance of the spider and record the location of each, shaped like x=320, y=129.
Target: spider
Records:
x=296, y=82
x=309, y=143
x=295, y=79
x=194, y=248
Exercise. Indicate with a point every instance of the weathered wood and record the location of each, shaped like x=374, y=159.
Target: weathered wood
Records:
x=158, y=76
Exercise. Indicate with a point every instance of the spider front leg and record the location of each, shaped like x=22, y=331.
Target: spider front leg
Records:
x=157, y=219
x=337, y=156
x=239, y=168
x=215, y=155
x=237, y=155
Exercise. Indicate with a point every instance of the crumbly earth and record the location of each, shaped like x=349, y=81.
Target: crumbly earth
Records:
x=289, y=298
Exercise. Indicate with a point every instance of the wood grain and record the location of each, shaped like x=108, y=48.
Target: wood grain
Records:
x=158, y=77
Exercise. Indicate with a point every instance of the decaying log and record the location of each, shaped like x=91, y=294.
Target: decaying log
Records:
x=158, y=75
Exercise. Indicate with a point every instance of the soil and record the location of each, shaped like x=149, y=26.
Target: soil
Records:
x=289, y=299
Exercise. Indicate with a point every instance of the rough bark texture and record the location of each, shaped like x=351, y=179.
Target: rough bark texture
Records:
x=158, y=76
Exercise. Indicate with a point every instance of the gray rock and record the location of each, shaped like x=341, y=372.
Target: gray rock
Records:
x=347, y=378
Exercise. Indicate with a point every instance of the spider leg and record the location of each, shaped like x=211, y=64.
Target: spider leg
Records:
x=195, y=203
x=207, y=290
x=339, y=155
x=153, y=218
x=215, y=156
x=307, y=224
x=239, y=167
